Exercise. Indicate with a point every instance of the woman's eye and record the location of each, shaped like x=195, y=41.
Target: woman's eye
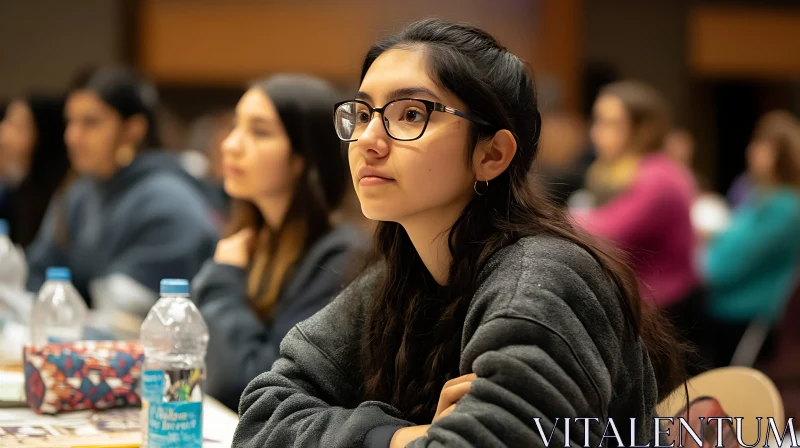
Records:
x=413, y=115
x=362, y=117
x=260, y=133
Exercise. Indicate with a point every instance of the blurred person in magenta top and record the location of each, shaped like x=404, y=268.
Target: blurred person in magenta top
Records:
x=643, y=197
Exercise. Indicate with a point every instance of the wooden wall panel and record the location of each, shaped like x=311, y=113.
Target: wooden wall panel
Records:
x=221, y=42
x=560, y=40
x=214, y=42
x=745, y=42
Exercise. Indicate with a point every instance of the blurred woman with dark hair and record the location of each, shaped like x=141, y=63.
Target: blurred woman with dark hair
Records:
x=135, y=216
x=33, y=161
x=283, y=259
x=752, y=266
x=643, y=197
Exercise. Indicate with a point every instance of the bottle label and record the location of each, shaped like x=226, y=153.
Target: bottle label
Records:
x=175, y=425
x=152, y=385
x=172, y=401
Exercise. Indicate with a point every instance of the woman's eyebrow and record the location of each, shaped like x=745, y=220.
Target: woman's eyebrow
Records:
x=364, y=96
x=411, y=92
x=403, y=92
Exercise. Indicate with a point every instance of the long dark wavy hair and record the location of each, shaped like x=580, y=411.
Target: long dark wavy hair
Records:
x=412, y=335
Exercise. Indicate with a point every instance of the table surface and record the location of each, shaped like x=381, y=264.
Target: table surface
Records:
x=219, y=424
x=84, y=428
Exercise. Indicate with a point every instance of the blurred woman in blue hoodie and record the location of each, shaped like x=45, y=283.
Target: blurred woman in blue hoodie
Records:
x=753, y=266
x=135, y=216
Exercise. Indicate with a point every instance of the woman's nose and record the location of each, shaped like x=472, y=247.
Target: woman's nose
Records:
x=374, y=142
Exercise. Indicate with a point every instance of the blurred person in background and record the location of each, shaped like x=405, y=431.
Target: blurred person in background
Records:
x=752, y=267
x=644, y=198
x=282, y=260
x=203, y=159
x=561, y=160
x=679, y=145
x=135, y=216
x=33, y=162
x=561, y=164
x=740, y=190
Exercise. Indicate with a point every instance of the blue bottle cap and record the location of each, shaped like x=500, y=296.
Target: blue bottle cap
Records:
x=3, y=227
x=58, y=273
x=174, y=286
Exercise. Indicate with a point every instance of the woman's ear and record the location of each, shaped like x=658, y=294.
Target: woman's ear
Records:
x=492, y=157
x=135, y=130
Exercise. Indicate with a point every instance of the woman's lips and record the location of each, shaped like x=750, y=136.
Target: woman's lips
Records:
x=369, y=181
x=369, y=176
x=230, y=170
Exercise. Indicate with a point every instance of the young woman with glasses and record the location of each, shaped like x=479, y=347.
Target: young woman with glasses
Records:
x=484, y=308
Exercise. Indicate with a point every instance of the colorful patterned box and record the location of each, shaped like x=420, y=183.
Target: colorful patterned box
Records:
x=82, y=375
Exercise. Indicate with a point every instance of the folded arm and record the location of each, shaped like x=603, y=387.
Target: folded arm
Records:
x=311, y=396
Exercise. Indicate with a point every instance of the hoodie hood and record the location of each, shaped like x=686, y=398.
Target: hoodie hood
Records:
x=148, y=164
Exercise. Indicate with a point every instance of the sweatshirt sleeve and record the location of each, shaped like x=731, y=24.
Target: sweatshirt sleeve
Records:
x=311, y=395
x=545, y=349
x=754, y=236
x=518, y=381
x=241, y=346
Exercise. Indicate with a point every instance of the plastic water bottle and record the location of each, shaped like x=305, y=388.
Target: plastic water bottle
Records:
x=59, y=314
x=175, y=338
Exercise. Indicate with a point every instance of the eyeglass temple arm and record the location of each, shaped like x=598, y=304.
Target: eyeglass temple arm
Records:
x=449, y=110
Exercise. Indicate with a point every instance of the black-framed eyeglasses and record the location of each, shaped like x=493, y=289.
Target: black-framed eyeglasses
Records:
x=404, y=119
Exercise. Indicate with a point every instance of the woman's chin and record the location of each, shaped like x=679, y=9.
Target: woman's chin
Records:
x=379, y=212
x=236, y=191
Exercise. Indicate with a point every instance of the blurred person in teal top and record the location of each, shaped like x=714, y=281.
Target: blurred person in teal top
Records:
x=753, y=266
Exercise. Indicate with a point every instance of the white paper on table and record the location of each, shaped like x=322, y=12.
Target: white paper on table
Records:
x=12, y=388
x=13, y=337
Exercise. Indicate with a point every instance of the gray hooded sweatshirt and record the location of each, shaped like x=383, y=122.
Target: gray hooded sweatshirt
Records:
x=150, y=221
x=544, y=333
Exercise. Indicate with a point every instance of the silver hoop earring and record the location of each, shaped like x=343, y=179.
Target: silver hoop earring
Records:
x=485, y=189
